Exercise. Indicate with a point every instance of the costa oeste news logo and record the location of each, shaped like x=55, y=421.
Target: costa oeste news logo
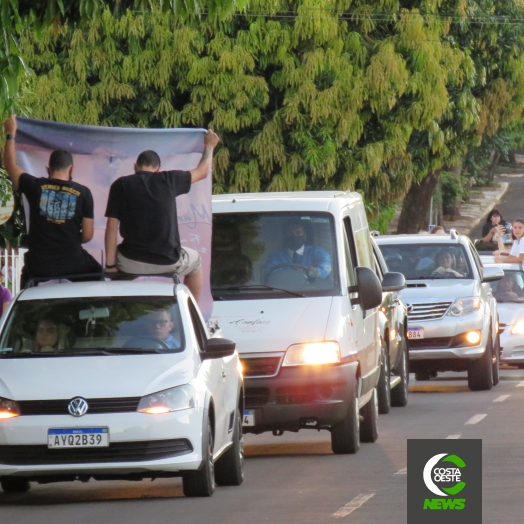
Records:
x=442, y=475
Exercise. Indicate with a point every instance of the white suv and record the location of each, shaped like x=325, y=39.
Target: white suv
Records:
x=116, y=380
x=452, y=315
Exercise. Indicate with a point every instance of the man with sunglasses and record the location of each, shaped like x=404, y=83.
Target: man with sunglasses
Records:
x=159, y=325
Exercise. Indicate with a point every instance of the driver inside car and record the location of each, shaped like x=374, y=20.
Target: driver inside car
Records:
x=159, y=325
x=445, y=263
x=295, y=253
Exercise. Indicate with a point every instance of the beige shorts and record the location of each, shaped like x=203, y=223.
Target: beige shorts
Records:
x=189, y=263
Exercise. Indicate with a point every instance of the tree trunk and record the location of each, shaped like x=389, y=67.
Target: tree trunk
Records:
x=453, y=209
x=494, y=160
x=414, y=216
x=512, y=158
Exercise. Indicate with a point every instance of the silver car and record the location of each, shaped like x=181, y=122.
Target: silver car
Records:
x=452, y=314
x=509, y=293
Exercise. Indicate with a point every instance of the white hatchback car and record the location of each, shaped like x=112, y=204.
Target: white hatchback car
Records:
x=117, y=380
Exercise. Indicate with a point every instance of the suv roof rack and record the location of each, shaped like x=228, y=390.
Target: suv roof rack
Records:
x=93, y=277
x=453, y=234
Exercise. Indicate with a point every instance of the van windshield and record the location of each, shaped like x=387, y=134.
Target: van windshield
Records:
x=273, y=255
x=427, y=261
x=92, y=326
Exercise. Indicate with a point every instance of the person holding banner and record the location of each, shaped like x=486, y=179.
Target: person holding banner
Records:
x=60, y=215
x=144, y=206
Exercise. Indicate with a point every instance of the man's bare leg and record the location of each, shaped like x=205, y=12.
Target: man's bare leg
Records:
x=195, y=282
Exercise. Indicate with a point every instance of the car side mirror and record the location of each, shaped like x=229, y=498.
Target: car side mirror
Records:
x=218, y=348
x=492, y=274
x=393, y=282
x=369, y=288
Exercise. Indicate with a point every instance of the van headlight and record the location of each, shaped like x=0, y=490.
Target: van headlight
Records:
x=8, y=408
x=312, y=354
x=174, y=399
x=518, y=328
x=463, y=306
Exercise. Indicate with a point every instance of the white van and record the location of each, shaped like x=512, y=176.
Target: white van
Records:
x=293, y=284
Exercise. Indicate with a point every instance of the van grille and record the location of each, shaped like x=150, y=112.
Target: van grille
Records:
x=260, y=366
x=255, y=397
x=97, y=406
x=427, y=311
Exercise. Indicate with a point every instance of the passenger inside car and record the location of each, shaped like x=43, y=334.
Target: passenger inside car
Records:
x=445, y=262
x=508, y=290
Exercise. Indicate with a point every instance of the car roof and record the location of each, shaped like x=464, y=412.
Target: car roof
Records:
x=149, y=288
x=420, y=239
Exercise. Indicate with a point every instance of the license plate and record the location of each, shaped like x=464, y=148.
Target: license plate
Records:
x=249, y=417
x=78, y=438
x=416, y=332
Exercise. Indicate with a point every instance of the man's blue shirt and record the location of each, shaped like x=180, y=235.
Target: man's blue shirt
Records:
x=172, y=342
x=313, y=256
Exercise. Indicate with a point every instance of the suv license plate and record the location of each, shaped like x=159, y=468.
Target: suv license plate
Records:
x=78, y=438
x=416, y=332
x=249, y=417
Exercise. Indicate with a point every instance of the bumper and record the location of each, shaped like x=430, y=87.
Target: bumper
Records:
x=300, y=397
x=125, y=429
x=512, y=347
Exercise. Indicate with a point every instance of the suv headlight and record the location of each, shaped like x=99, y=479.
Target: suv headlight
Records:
x=463, y=306
x=174, y=399
x=8, y=408
x=518, y=328
x=311, y=354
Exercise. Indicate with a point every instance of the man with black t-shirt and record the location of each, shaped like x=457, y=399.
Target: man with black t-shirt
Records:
x=144, y=205
x=60, y=215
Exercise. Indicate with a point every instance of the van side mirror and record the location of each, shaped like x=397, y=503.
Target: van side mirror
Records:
x=369, y=288
x=393, y=282
x=491, y=274
x=218, y=348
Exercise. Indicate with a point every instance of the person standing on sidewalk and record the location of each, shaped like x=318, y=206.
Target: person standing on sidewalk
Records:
x=60, y=215
x=143, y=205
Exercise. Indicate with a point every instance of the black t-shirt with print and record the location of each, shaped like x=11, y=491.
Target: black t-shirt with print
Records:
x=145, y=205
x=488, y=226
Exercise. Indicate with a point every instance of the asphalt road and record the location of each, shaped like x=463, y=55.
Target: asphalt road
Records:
x=512, y=204
x=295, y=478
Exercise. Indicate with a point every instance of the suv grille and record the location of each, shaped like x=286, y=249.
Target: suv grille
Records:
x=428, y=311
x=116, y=452
x=97, y=406
x=260, y=366
x=255, y=397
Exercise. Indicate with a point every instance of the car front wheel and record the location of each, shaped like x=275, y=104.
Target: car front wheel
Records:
x=345, y=435
x=399, y=394
x=383, y=386
x=14, y=485
x=480, y=372
x=369, y=426
x=229, y=468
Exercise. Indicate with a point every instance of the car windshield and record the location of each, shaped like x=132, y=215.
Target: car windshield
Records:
x=92, y=326
x=273, y=255
x=427, y=261
x=510, y=288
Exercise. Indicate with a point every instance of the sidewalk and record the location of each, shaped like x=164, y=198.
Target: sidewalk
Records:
x=482, y=200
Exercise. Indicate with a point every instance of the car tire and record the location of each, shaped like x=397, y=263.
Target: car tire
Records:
x=422, y=376
x=345, y=435
x=399, y=394
x=369, y=426
x=201, y=483
x=480, y=372
x=229, y=468
x=383, y=386
x=15, y=485
x=496, y=364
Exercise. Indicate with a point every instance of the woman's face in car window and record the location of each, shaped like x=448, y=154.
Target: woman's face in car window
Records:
x=47, y=334
x=445, y=260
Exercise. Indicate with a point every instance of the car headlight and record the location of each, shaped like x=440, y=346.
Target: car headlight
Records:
x=311, y=354
x=8, y=408
x=518, y=328
x=174, y=399
x=463, y=306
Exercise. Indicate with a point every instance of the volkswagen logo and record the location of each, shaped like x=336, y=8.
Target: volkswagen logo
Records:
x=78, y=407
x=409, y=307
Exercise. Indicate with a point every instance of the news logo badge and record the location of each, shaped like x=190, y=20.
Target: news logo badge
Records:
x=444, y=481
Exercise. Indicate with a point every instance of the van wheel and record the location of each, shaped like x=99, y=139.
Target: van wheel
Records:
x=229, y=468
x=201, y=483
x=369, y=426
x=496, y=360
x=480, y=372
x=383, y=386
x=15, y=485
x=345, y=435
x=399, y=394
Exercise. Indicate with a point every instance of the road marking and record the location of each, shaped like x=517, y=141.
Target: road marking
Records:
x=403, y=471
x=350, y=507
x=475, y=419
x=502, y=398
x=520, y=384
x=454, y=436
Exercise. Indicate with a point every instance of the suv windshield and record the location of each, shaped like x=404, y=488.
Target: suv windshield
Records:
x=93, y=326
x=427, y=261
x=510, y=288
x=273, y=255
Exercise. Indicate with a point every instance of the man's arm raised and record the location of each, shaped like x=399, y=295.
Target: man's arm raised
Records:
x=9, y=158
x=201, y=171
